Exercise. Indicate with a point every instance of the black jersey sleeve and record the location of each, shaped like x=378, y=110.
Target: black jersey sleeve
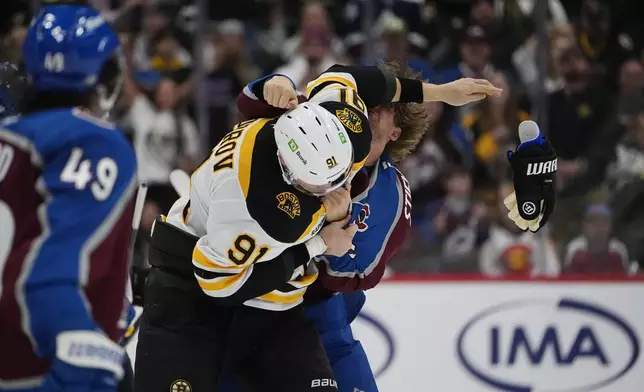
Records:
x=372, y=85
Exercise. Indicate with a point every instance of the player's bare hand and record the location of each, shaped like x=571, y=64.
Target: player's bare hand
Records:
x=338, y=240
x=337, y=203
x=466, y=90
x=279, y=92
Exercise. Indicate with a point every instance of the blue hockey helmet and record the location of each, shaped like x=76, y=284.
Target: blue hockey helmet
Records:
x=72, y=48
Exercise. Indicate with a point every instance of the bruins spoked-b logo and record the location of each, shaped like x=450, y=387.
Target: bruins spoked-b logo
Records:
x=289, y=203
x=180, y=386
x=349, y=119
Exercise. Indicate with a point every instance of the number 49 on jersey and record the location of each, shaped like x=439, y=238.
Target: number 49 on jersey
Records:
x=78, y=171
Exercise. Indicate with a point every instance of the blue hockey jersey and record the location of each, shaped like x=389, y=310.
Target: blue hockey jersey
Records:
x=382, y=210
x=67, y=184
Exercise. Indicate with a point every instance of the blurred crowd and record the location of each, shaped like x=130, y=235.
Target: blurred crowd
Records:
x=584, y=80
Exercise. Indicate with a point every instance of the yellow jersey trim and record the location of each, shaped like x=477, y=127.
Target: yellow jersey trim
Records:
x=325, y=79
x=246, y=154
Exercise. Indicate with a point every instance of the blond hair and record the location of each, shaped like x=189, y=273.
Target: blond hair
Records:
x=411, y=118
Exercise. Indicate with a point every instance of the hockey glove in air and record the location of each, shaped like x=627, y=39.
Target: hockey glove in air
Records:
x=534, y=165
x=86, y=361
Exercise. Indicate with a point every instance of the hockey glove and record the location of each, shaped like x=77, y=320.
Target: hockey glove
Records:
x=86, y=361
x=534, y=165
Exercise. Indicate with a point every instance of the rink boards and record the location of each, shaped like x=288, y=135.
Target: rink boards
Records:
x=428, y=334
x=470, y=335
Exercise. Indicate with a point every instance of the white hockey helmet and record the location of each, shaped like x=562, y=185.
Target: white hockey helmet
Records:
x=314, y=149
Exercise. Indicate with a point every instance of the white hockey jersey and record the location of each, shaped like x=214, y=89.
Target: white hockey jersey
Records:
x=243, y=211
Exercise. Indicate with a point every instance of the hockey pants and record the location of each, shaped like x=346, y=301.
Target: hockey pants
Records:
x=332, y=319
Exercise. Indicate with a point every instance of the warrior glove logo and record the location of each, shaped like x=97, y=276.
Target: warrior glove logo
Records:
x=289, y=203
x=529, y=208
x=535, y=169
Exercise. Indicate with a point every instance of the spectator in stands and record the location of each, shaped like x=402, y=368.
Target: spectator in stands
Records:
x=313, y=16
x=231, y=69
x=525, y=8
x=448, y=145
x=425, y=167
x=631, y=89
x=511, y=252
x=493, y=125
x=12, y=42
x=168, y=55
x=313, y=57
x=266, y=34
x=475, y=51
x=454, y=223
x=577, y=114
x=524, y=60
x=165, y=138
x=505, y=34
x=154, y=21
x=112, y=14
x=595, y=250
x=482, y=13
x=396, y=46
x=603, y=44
x=127, y=46
x=628, y=164
x=417, y=16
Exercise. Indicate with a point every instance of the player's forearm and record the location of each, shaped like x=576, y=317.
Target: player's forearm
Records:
x=251, y=103
x=268, y=276
x=256, y=87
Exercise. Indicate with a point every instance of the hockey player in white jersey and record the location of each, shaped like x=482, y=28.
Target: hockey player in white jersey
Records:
x=231, y=262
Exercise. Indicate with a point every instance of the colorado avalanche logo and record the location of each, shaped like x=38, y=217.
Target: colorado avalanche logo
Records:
x=362, y=217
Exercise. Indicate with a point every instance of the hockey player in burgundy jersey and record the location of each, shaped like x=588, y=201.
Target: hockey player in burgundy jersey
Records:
x=381, y=209
x=67, y=180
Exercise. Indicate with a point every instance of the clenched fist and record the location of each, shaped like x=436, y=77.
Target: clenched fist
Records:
x=463, y=91
x=337, y=203
x=279, y=92
x=338, y=239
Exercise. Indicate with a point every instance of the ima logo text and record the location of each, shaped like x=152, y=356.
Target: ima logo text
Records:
x=554, y=345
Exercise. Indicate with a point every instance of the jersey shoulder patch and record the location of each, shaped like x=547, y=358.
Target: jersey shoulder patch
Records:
x=357, y=125
x=283, y=212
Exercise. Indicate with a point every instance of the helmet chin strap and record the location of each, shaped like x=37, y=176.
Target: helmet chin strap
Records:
x=290, y=180
x=286, y=173
x=106, y=101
